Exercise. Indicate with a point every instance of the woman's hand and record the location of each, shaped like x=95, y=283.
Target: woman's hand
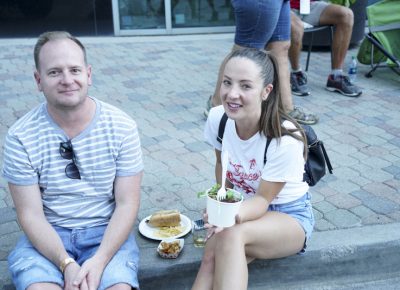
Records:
x=212, y=230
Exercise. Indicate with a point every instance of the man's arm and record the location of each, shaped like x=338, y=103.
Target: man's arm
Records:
x=28, y=203
x=127, y=199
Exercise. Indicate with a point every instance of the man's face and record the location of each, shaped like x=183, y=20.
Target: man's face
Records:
x=62, y=74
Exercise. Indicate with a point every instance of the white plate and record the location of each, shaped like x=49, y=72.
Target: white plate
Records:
x=149, y=231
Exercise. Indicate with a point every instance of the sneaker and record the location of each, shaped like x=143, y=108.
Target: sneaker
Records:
x=298, y=83
x=303, y=118
x=208, y=107
x=342, y=85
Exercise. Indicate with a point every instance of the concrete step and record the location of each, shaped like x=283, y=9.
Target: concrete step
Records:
x=366, y=258
x=367, y=253
x=364, y=282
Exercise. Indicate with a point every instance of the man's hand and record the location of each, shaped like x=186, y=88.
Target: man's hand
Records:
x=70, y=274
x=89, y=274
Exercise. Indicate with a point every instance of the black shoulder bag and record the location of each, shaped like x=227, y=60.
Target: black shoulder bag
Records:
x=317, y=160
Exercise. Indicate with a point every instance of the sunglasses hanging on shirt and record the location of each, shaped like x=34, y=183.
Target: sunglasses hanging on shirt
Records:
x=67, y=152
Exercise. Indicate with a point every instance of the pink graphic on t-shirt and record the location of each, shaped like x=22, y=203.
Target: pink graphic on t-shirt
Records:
x=240, y=178
x=253, y=163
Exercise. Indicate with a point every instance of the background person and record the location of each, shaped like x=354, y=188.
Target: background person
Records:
x=266, y=25
x=322, y=13
x=74, y=168
x=275, y=219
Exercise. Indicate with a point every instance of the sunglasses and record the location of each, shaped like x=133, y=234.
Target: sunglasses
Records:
x=67, y=152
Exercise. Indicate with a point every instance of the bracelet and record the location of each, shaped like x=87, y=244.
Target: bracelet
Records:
x=65, y=263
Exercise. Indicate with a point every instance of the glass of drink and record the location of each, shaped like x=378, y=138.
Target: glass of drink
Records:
x=199, y=233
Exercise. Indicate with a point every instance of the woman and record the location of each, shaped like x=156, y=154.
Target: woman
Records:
x=250, y=97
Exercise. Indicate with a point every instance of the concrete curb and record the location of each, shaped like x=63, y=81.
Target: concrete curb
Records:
x=331, y=255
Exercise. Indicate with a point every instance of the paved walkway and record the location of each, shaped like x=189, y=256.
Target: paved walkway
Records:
x=163, y=83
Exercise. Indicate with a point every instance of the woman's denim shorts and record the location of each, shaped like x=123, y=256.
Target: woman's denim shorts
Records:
x=28, y=266
x=302, y=211
x=259, y=22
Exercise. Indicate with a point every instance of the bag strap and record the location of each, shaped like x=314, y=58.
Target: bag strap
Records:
x=221, y=128
x=221, y=131
x=266, y=148
x=328, y=162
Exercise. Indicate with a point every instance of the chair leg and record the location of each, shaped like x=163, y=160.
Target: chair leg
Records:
x=331, y=42
x=309, y=50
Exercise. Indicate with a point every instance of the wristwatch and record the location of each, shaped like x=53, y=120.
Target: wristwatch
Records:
x=64, y=263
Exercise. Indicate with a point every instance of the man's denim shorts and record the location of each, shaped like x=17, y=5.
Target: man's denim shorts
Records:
x=302, y=211
x=259, y=22
x=28, y=266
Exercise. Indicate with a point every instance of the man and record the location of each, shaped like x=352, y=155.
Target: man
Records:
x=322, y=13
x=265, y=25
x=74, y=168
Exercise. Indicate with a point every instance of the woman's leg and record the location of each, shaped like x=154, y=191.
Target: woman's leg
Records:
x=205, y=276
x=275, y=235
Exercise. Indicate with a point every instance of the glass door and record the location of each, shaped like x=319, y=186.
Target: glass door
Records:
x=146, y=17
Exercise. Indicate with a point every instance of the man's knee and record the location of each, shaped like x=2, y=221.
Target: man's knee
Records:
x=341, y=15
x=120, y=286
x=43, y=286
x=347, y=16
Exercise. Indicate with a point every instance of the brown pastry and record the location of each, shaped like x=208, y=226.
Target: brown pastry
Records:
x=165, y=218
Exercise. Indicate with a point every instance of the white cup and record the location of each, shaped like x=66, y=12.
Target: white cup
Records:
x=222, y=214
x=304, y=6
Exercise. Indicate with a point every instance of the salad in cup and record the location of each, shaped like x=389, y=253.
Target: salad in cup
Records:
x=222, y=213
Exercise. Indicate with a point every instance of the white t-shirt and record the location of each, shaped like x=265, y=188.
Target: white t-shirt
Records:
x=285, y=162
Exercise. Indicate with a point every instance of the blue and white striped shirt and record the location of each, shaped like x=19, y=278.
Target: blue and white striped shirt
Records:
x=108, y=147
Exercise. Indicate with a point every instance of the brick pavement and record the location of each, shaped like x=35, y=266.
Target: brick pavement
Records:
x=163, y=83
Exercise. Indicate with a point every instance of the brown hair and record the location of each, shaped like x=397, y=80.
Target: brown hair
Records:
x=272, y=111
x=54, y=35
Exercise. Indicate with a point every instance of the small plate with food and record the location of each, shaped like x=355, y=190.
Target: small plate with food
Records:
x=170, y=248
x=165, y=224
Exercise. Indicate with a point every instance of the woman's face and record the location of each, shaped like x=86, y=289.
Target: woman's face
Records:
x=242, y=90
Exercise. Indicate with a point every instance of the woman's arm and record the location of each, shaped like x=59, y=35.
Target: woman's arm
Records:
x=255, y=207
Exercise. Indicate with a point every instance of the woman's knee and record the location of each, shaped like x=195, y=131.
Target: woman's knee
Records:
x=229, y=238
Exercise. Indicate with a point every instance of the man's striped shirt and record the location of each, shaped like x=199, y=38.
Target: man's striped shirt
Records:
x=107, y=148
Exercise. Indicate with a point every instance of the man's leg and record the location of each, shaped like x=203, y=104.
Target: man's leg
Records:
x=342, y=18
x=298, y=79
x=296, y=40
x=30, y=270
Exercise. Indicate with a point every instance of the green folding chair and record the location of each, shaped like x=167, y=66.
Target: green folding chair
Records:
x=381, y=46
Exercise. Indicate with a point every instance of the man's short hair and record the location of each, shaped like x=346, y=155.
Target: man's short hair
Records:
x=54, y=35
